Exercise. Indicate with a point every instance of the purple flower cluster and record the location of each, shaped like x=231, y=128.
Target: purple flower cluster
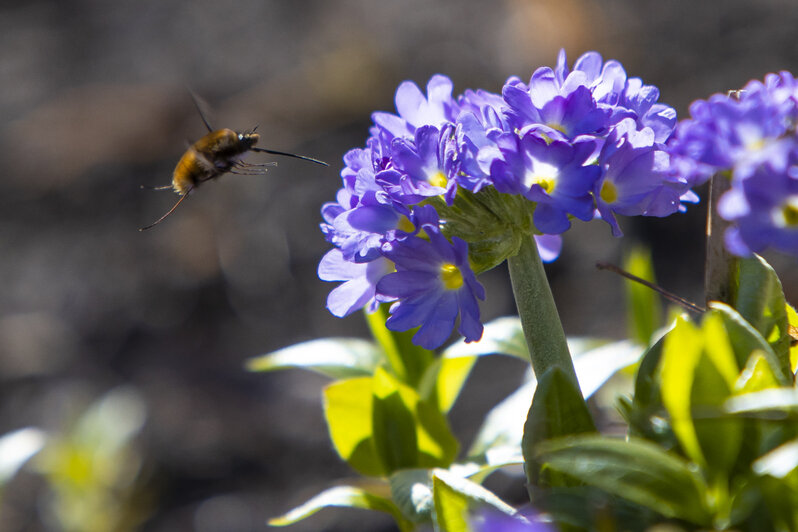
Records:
x=444, y=186
x=749, y=136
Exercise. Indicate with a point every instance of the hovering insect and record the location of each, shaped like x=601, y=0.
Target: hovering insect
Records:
x=218, y=152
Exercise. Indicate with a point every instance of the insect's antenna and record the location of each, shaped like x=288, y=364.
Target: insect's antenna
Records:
x=199, y=109
x=689, y=305
x=294, y=155
x=170, y=211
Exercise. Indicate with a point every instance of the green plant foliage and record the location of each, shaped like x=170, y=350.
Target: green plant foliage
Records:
x=16, y=448
x=343, y=496
x=636, y=470
x=378, y=425
x=557, y=410
x=407, y=360
x=699, y=371
x=442, y=497
x=338, y=358
x=91, y=467
x=348, y=411
x=643, y=308
x=757, y=295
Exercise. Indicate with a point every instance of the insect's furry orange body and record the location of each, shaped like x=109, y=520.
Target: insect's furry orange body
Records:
x=211, y=156
x=218, y=152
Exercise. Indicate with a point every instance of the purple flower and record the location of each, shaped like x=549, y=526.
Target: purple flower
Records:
x=416, y=110
x=765, y=209
x=360, y=282
x=551, y=174
x=738, y=133
x=496, y=521
x=422, y=167
x=434, y=284
x=588, y=100
x=637, y=178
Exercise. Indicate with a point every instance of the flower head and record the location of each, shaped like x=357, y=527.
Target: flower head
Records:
x=448, y=186
x=433, y=284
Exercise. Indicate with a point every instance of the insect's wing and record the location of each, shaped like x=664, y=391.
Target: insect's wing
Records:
x=202, y=108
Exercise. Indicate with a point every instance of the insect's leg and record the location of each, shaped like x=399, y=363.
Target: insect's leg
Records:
x=170, y=211
x=165, y=187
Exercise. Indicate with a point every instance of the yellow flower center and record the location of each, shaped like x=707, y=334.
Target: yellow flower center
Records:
x=608, y=193
x=404, y=224
x=544, y=175
x=438, y=180
x=786, y=214
x=451, y=276
x=790, y=213
x=558, y=127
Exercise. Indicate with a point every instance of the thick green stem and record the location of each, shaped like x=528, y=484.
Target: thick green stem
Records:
x=539, y=318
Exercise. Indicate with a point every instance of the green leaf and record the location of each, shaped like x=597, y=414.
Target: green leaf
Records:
x=757, y=376
x=502, y=335
x=745, y=340
x=779, y=462
x=348, y=411
x=451, y=508
x=699, y=372
x=643, y=307
x=16, y=448
x=557, y=410
x=408, y=431
x=394, y=424
x=680, y=356
x=339, y=358
x=773, y=402
x=411, y=490
x=343, y=496
x=455, y=496
x=792, y=320
x=407, y=360
x=715, y=379
x=759, y=298
x=596, y=366
x=636, y=470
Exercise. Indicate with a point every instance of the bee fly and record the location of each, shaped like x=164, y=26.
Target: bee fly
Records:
x=218, y=152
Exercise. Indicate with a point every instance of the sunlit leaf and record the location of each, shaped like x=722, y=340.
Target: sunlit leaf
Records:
x=408, y=361
x=774, y=402
x=451, y=508
x=348, y=411
x=411, y=490
x=399, y=410
x=792, y=320
x=339, y=358
x=757, y=376
x=745, y=339
x=394, y=425
x=779, y=462
x=636, y=470
x=643, y=307
x=594, y=367
x=343, y=496
x=680, y=357
x=759, y=298
x=471, y=491
x=502, y=335
x=16, y=448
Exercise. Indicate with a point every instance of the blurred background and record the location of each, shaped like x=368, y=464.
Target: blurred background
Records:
x=94, y=103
